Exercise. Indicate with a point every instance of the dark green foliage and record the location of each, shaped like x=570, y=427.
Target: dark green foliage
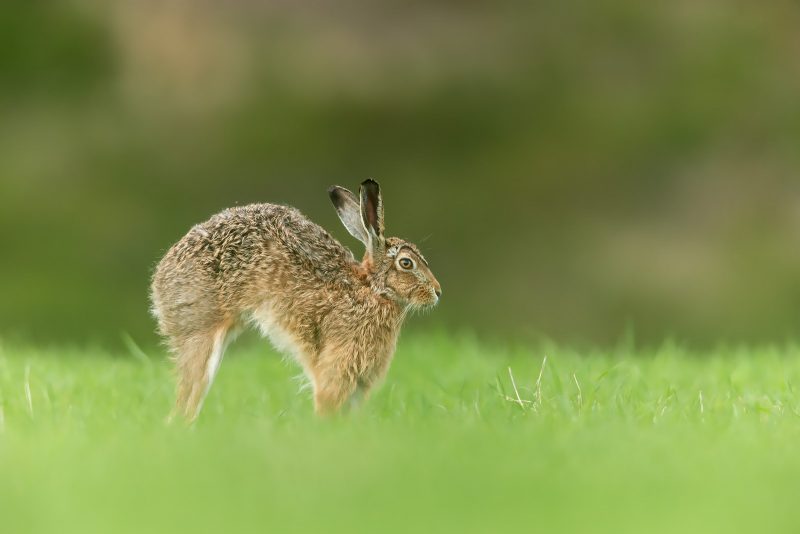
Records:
x=570, y=167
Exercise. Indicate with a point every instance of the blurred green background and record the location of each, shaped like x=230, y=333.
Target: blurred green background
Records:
x=571, y=168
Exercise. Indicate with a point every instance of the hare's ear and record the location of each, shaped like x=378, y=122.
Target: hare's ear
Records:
x=349, y=212
x=372, y=215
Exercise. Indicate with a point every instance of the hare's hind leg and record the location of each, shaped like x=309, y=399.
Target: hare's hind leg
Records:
x=197, y=360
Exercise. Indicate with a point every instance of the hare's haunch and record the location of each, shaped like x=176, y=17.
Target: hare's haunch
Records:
x=271, y=266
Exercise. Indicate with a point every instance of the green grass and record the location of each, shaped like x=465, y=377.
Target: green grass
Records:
x=656, y=441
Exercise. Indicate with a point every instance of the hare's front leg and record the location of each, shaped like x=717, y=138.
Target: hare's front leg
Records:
x=335, y=380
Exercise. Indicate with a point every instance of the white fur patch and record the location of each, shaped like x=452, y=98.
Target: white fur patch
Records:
x=215, y=359
x=281, y=339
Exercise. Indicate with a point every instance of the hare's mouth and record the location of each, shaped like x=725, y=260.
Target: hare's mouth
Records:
x=430, y=302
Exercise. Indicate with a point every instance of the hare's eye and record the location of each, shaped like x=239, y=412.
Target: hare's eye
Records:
x=406, y=263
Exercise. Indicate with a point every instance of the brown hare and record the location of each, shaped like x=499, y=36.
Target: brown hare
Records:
x=271, y=266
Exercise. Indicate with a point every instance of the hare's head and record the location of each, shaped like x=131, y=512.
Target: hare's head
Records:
x=395, y=267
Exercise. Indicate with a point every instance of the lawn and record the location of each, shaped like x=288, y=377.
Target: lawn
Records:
x=661, y=440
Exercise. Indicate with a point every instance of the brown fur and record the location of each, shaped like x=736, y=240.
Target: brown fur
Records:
x=270, y=265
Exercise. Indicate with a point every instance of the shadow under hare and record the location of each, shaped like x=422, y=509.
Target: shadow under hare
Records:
x=269, y=265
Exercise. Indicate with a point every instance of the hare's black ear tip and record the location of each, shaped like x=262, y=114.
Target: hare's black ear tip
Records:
x=333, y=191
x=369, y=182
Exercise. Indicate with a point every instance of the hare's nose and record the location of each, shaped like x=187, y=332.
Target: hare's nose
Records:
x=438, y=292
